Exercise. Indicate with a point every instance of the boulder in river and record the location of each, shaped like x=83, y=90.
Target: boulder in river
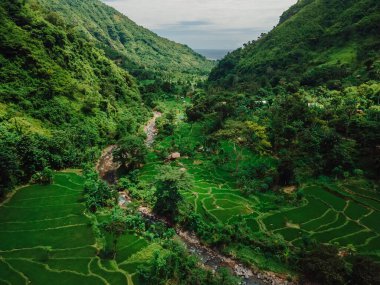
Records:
x=173, y=156
x=106, y=166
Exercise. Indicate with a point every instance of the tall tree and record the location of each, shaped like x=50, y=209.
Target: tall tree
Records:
x=169, y=184
x=130, y=152
x=365, y=271
x=323, y=264
x=244, y=134
x=116, y=227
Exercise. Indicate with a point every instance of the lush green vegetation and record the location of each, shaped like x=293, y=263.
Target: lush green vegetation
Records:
x=61, y=98
x=47, y=237
x=64, y=89
x=178, y=267
x=164, y=68
x=279, y=155
x=169, y=183
x=140, y=51
x=292, y=119
x=271, y=229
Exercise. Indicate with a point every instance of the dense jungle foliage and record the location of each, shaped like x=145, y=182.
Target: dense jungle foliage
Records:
x=61, y=98
x=299, y=105
x=65, y=89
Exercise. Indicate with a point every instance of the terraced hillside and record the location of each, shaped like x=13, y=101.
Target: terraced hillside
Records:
x=213, y=194
x=344, y=212
x=45, y=238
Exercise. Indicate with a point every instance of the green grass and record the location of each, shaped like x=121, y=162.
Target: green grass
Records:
x=327, y=218
x=313, y=210
x=330, y=199
x=133, y=247
x=344, y=230
x=111, y=276
x=224, y=215
x=355, y=211
x=79, y=265
x=69, y=236
x=10, y=274
x=45, y=238
x=372, y=246
x=253, y=224
x=358, y=238
x=38, y=273
x=290, y=233
x=44, y=224
x=372, y=221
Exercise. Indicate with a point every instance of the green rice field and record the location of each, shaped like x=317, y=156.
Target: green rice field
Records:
x=46, y=238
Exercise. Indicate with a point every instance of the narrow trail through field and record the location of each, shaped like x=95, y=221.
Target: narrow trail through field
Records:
x=211, y=258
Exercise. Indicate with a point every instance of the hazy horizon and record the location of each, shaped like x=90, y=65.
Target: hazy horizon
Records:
x=207, y=24
x=213, y=54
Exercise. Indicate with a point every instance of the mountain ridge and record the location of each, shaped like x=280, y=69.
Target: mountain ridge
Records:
x=337, y=46
x=133, y=47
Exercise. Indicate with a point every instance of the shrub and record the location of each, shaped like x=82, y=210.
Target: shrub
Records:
x=43, y=177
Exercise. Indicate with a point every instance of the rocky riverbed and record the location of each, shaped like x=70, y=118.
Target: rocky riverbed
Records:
x=150, y=129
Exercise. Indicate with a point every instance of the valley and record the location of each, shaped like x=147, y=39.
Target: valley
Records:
x=127, y=158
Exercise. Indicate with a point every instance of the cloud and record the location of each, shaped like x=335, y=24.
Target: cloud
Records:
x=194, y=23
x=224, y=24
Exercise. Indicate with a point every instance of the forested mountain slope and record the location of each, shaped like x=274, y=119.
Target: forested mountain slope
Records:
x=133, y=47
x=317, y=42
x=312, y=83
x=61, y=98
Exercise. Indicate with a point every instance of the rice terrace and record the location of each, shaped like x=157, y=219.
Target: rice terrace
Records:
x=47, y=239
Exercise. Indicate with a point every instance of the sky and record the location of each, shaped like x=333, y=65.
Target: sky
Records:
x=205, y=24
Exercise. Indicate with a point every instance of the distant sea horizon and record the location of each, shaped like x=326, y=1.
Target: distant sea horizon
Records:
x=213, y=54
